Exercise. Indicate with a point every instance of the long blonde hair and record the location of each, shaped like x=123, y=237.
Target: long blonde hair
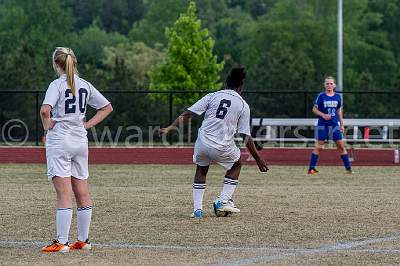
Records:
x=64, y=62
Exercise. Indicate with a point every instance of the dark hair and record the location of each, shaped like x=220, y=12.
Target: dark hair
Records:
x=235, y=78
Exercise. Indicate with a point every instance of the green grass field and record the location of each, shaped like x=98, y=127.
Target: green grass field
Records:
x=142, y=216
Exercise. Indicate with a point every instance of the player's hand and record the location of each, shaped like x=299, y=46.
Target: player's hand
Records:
x=52, y=124
x=342, y=129
x=163, y=131
x=262, y=165
x=85, y=125
x=326, y=117
x=49, y=124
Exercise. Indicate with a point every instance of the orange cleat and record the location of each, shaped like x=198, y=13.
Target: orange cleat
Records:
x=56, y=247
x=312, y=171
x=81, y=245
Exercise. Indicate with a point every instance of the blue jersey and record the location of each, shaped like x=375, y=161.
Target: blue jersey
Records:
x=328, y=105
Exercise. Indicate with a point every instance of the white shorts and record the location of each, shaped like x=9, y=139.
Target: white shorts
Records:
x=204, y=155
x=68, y=157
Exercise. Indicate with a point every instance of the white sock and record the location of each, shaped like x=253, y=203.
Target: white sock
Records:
x=198, y=193
x=63, y=222
x=84, y=216
x=229, y=187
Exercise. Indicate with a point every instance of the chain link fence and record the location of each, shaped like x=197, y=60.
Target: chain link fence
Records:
x=138, y=114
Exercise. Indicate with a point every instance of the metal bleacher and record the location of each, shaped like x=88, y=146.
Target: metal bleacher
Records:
x=357, y=130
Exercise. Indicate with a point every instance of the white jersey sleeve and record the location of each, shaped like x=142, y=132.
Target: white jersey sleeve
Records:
x=201, y=105
x=96, y=99
x=244, y=121
x=52, y=95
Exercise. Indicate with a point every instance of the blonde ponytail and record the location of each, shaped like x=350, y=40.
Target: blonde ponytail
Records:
x=64, y=62
x=70, y=71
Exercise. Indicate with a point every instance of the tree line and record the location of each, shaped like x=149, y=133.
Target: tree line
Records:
x=128, y=45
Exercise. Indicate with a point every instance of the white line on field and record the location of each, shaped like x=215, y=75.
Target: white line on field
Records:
x=384, y=250
x=312, y=251
x=280, y=253
x=35, y=243
x=118, y=245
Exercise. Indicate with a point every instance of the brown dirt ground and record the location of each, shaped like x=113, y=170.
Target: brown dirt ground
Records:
x=151, y=204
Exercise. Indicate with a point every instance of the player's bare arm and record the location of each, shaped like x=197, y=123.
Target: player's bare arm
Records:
x=340, y=114
x=47, y=122
x=262, y=165
x=321, y=114
x=184, y=117
x=99, y=116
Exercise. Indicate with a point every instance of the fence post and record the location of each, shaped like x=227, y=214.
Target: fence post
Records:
x=305, y=105
x=171, y=102
x=37, y=119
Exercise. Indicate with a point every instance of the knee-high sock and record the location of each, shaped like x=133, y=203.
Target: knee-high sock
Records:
x=229, y=187
x=84, y=217
x=198, y=193
x=63, y=223
x=346, y=161
x=313, y=161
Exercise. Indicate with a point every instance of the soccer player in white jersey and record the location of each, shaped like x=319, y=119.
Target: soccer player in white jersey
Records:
x=67, y=146
x=225, y=114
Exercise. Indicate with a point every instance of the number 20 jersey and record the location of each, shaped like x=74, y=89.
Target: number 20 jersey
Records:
x=69, y=110
x=225, y=113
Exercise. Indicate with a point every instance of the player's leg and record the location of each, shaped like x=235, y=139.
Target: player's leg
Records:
x=64, y=207
x=224, y=205
x=59, y=172
x=337, y=136
x=321, y=134
x=80, y=187
x=202, y=161
x=231, y=180
x=318, y=146
x=199, y=187
x=231, y=161
x=63, y=189
x=84, y=212
x=343, y=155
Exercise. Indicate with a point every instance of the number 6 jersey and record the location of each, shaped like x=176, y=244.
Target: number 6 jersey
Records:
x=225, y=114
x=69, y=110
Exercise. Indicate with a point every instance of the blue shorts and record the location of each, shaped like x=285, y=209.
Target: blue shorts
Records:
x=324, y=132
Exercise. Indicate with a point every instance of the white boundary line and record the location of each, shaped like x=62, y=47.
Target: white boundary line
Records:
x=384, y=250
x=280, y=253
x=312, y=251
x=35, y=243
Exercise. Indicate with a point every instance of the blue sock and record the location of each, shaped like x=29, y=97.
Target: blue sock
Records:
x=346, y=161
x=313, y=161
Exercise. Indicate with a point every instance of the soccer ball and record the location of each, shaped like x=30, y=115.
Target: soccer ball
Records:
x=222, y=213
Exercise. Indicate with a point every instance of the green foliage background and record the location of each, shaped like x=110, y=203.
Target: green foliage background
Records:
x=284, y=44
x=190, y=64
x=130, y=45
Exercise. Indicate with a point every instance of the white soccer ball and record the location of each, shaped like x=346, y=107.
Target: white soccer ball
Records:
x=223, y=213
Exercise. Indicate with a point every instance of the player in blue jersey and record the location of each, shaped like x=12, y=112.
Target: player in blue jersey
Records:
x=328, y=108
